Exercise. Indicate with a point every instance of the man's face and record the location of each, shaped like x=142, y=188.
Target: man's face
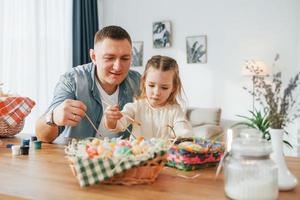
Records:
x=113, y=59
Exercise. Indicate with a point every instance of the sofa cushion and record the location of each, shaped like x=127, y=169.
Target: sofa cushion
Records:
x=201, y=116
x=207, y=131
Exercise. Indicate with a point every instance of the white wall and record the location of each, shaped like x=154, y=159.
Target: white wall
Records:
x=236, y=30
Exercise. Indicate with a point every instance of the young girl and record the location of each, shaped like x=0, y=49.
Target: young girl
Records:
x=156, y=112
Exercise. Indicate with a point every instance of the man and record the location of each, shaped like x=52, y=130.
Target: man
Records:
x=81, y=95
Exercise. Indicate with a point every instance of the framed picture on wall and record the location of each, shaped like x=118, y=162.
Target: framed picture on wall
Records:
x=137, y=53
x=161, y=34
x=196, y=49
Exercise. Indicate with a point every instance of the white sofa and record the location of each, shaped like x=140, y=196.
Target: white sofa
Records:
x=206, y=122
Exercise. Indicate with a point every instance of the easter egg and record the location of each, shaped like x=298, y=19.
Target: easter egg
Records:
x=91, y=151
x=122, y=150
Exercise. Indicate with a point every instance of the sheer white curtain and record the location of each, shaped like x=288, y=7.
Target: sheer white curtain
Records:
x=35, y=49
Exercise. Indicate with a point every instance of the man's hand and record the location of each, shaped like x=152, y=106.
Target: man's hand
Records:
x=69, y=112
x=112, y=115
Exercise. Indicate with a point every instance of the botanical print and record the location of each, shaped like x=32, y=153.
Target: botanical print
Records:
x=137, y=54
x=196, y=49
x=161, y=34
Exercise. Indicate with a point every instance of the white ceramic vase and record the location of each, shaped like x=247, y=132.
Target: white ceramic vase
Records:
x=286, y=180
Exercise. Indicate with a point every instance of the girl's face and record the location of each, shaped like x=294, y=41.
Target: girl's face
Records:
x=159, y=86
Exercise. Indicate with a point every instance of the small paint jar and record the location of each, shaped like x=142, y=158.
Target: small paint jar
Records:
x=37, y=144
x=15, y=149
x=24, y=150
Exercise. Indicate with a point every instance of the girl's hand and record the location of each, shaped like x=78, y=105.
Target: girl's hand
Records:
x=112, y=115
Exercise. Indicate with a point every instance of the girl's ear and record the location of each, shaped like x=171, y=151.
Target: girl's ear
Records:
x=93, y=55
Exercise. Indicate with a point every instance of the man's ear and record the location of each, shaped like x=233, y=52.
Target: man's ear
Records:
x=93, y=55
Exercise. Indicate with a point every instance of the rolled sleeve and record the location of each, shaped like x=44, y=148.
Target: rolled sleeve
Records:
x=64, y=89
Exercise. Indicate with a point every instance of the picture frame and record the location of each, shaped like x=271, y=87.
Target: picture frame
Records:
x=161, y=32
x=196, y=49
x=137, y=53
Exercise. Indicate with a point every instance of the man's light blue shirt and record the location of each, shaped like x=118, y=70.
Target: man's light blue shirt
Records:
x=80, y=84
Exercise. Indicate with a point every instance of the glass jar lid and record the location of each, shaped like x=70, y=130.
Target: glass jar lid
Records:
x=251, y=143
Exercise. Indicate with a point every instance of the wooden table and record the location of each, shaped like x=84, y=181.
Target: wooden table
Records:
x=45, y=174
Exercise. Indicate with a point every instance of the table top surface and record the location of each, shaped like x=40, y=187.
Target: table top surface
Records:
x=45, y=174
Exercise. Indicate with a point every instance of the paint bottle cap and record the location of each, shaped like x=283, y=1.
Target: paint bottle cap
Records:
x=33, y=138
x=25, y=142
x=9, y=146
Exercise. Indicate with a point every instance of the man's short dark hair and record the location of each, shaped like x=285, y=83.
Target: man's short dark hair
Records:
x=112, y=32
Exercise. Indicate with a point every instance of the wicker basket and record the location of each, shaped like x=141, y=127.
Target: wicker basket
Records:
x=9, y=131
x=144, y=174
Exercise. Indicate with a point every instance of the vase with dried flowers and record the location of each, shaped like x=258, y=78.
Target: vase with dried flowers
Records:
x=282, y=108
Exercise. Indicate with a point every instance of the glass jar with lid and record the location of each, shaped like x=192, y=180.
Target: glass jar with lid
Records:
x=249, y=171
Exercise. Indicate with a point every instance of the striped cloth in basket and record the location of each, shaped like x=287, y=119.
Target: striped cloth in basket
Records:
x=13, y=110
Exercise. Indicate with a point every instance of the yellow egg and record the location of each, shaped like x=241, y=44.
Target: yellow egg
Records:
x=136, y=150
x=96, y=142
x=112, y=145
